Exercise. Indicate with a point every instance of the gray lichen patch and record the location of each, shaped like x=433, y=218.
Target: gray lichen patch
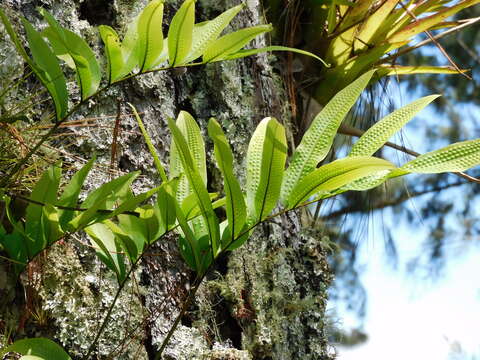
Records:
x=76, y=292
x=285, y=299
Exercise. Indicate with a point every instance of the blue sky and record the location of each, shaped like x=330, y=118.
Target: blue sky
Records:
x=409, y=318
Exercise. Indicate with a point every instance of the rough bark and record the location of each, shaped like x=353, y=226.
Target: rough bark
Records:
x=265, y=301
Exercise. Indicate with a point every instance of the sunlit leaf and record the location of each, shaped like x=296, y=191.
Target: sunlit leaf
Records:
x=235, y=203
x=318, y=139
x=205, y=33
x=197, y=185
x=180, y=33
x=335, y=175
x=67, y=43
x=266, y=156
x=231, y=43
x=375, y=137
x=42, y=348
x=456, y=157
x=114, y=54
x=69, y=197
x=150, y=36
x=109, y=250
x=47, y=68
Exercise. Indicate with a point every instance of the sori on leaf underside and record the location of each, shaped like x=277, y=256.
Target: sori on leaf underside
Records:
x=143, y=48
x=122, y=228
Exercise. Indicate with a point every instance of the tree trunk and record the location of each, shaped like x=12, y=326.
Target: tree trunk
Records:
x=264, y=301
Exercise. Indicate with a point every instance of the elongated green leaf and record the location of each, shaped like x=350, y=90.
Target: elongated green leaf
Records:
x=266, y=156
x=163, y=57
x=375, y=137
x=235, y=203
x=394, y=70
x=190, y=207
x=456, y=157
x=373, y=24
x=191, y=132
x=45, y=192
x=130, y=47
x=197, y=185
x=187, y=242
x=42, y=348
x=109, y=250
x=15, y=246
x=151, y=148
x=150, y=34
x=66, y=42
x=428, y=22
x=165, y=207
x=244, y=53
x=335, y=175
x=371, y=181
x=131, y=232
x=69, y=197
x=205, y=33
x=50, y=225
x=231, y=43
x=318, y=139
x=113, y=51
x=105, y=198
x=332, y=17
x=194, y=211
x=47, y=69
x=133, y=202
x=180, y=33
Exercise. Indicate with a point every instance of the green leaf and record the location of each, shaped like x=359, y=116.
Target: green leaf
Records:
x=456, y=157
x=191, y=132
x=151, y=148
x=71, y=192
x=165, y=207
x=235, y=203
x=428, y=22
x=131, y=203
x=187, y=242
x=318, y=139
x=231, y=43
x=332, y=17
x=45, y=192
x=266, y=156
x=243, y=53
x=373, y=25
x=190, y=207
x=335, y=175
x=395, y=70
x=130, y=48
x=150, y=36
x=197, y=185
x=66, y=42
x=104, y=198
x=375, y=137
x=205, y=33
x=129, y=232
x=47, y=69
x=50, y=224
x=109, y=250
x=40, y=347
x=180, y=33
x=16, y=246
x=114, y=54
